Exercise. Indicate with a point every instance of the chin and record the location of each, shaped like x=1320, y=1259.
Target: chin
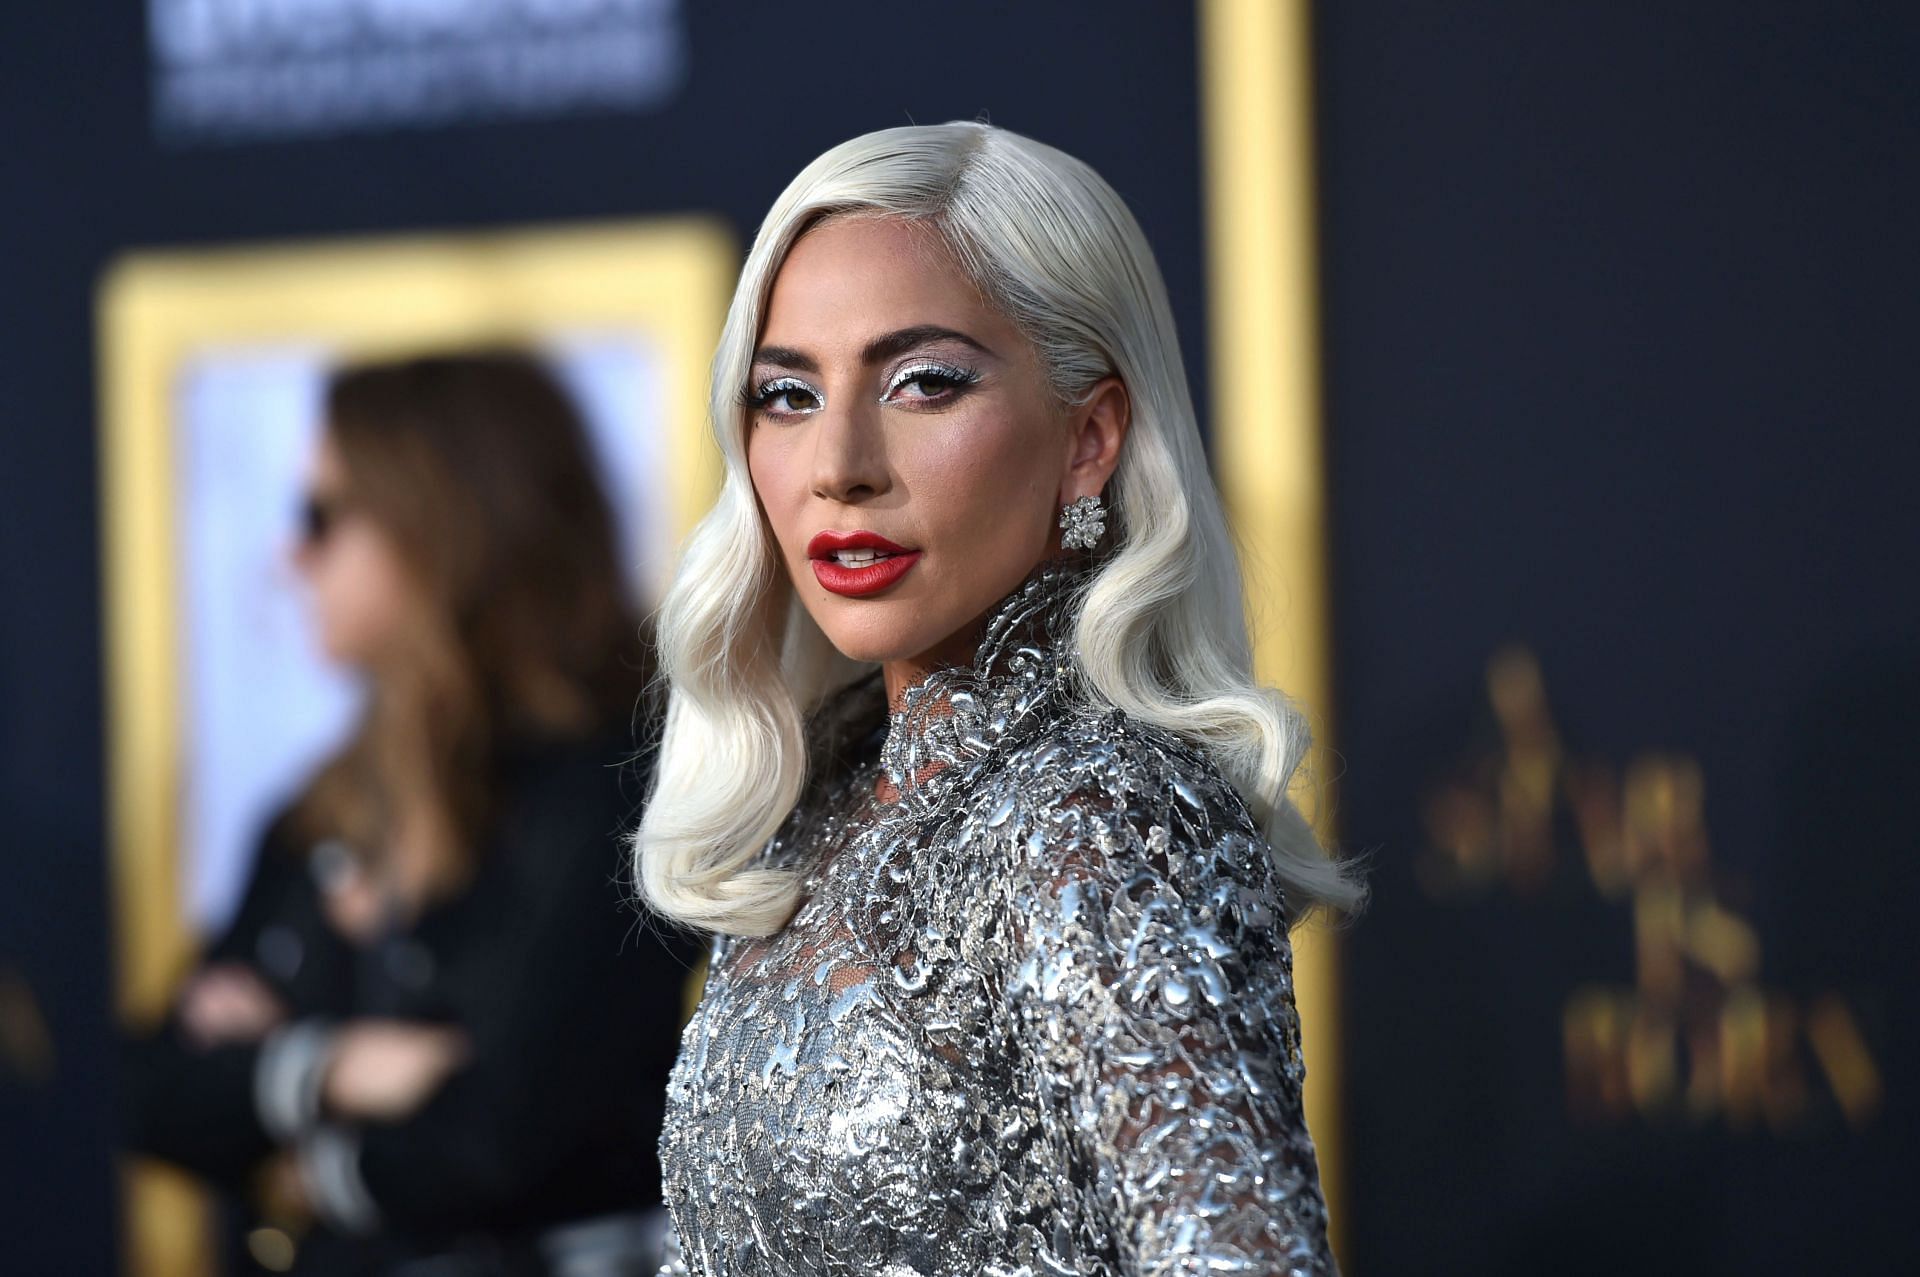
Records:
x=875, y=632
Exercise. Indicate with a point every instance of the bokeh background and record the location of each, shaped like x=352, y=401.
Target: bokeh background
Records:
x=1561, y=364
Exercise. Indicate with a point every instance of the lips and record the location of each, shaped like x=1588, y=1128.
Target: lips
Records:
x=856, y=564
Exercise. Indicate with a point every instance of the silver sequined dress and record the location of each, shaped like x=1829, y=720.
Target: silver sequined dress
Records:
x=1034, y=1016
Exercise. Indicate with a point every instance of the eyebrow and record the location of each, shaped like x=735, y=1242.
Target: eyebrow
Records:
x=884, y=347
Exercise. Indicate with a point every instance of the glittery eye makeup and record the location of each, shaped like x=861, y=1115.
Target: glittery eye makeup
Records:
x=783, y=397
x=916, y=385
x=928, y=382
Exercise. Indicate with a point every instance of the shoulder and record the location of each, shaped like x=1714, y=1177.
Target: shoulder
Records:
x=565, y=809
x=1137, y=882
x=1106, y=768
x=603, y=775
x=1102, y=798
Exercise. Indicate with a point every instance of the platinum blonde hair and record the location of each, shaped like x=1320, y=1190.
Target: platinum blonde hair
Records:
x=1162, y=631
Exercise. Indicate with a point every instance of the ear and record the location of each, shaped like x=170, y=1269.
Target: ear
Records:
x=1097, y=428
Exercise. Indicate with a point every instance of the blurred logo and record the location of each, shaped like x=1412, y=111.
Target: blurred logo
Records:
x=230, y=70
x=1696, y=1036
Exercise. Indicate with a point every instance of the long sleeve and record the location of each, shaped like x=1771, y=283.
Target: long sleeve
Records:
x=573, y=1007
x=1153, y=1023
x=199, y=1108
x=192, y=1108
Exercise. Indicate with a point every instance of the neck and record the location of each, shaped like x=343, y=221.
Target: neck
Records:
x=961, y=649
x=1023, y=613
x=953, y=706
x=957, y=650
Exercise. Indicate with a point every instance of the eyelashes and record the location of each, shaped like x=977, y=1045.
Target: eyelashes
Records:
x=947, y=381
x=923, y=385
x=764, y=397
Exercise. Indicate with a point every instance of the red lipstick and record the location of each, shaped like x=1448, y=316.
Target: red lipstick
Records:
x=857, y=564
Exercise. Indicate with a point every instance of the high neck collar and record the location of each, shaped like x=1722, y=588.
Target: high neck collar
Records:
x=957, y=716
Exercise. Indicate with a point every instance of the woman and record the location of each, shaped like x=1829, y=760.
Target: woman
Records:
x=965, y=765
x=431, y=1025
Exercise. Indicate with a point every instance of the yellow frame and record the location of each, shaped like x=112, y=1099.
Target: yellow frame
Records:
x=670, y=277
x=1256, y=85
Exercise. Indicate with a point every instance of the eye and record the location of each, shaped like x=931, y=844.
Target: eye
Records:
x=930, y=383
x=784, y=397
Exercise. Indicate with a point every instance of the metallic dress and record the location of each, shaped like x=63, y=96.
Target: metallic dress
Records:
x=1034, y=1016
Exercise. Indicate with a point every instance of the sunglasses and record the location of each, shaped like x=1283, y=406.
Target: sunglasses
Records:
x=319, y=516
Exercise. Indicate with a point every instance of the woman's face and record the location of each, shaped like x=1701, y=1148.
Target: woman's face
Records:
x=358, y=586
x=903, y=441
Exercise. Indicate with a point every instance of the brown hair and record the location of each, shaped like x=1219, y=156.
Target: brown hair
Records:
x=477, y=467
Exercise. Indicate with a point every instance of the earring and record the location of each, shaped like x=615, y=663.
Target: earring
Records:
x=1083, y=522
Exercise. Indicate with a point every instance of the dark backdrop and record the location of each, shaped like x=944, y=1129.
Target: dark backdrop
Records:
x=1620, y=334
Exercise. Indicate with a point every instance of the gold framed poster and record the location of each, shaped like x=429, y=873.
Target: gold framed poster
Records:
x=211, y=362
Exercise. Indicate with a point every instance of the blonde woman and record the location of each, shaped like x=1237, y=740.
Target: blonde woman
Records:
x=964, y=764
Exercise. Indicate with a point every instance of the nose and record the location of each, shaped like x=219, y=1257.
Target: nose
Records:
x=849, y=455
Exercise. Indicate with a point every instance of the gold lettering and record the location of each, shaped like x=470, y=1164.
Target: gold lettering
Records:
x=1594, y=796
x=1697, y=1032
x=1593, y=1028
x=1842, y=1052
x=1659, y=941
x=1653, y=1060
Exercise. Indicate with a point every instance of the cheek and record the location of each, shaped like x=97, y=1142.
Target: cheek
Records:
x=363, y=587
x=990, y=489
x=771, y=468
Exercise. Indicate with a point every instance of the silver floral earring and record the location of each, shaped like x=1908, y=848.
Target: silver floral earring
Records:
x=1083, y=522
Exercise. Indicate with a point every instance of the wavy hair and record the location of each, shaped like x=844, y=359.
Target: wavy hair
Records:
x=1162, y=631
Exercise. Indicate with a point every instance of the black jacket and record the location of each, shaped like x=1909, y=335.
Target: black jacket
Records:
x=571, y=999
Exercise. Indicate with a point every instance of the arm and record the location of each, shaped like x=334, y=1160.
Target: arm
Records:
x=1153, y=1022
x=194, y=1097
x=194, y=1109
x=573, y=1015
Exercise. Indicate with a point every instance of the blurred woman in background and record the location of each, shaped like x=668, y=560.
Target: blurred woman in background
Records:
x=431, y=1032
